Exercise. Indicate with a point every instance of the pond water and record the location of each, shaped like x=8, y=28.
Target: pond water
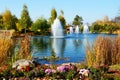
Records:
x=69, y=49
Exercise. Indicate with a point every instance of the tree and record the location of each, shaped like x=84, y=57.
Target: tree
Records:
x=25, y=20
x=53, y=16
x=77, y=20
x=18, y=26
x=62, y=19
x=1, y=21
x=40, y=25
x=7, y=20
x=14, y=21
x=105, y=19
x=61, y=12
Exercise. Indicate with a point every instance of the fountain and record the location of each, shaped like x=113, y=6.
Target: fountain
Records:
x=71, y=30
x=58, y=36
x=85, y=29
x=77, y=29
x=58, y=46
x=57, y=29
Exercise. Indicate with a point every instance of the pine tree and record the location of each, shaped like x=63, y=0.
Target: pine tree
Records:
x=53, y=16
x=25, y=20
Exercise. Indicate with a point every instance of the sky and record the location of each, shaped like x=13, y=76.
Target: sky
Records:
x=89, y=10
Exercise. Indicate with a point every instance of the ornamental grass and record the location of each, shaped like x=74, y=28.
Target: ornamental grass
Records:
x=6, y=45
x=104, y=52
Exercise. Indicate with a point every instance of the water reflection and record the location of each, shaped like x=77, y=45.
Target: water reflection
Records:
x=40, y=44
x=58, y=45
x=46, y=46
x=77, y=42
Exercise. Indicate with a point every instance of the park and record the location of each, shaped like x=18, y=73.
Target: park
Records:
x=51, y=48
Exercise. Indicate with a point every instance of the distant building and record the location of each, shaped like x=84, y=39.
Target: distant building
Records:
x=68, y=28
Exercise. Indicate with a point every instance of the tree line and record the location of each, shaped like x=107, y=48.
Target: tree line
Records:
x=24, y=23
x=42, y=26
x=106, y=25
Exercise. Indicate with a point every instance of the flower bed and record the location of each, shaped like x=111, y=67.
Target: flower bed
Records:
x=43, y=72
x=64, y=71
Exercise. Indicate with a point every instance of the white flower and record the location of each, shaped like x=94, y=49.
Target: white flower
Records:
x=19, y=67
x=84, y=72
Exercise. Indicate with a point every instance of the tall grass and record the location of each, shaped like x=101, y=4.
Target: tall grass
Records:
x=6, y=45
x=116, y=51
x=105, y=51
x=8, y=55
x=24, y=49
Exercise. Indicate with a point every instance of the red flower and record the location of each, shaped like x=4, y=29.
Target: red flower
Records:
x=27, y=68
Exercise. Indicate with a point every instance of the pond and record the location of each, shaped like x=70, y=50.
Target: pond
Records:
x=69, y=49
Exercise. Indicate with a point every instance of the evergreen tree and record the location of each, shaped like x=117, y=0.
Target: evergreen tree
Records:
x=25, y=20
x=77, y=20
x=53, y=16
x=14, y=21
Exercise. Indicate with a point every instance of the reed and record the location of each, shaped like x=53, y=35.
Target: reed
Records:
x=8, y=55
x=105, y=51
x=115, y=50
x=24, y=51
x=6, y=44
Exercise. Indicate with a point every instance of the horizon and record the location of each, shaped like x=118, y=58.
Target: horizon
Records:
x=90, y=11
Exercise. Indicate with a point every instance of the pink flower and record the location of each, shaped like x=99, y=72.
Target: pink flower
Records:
x=50, y=71
x=63, y=68
x=72, y=67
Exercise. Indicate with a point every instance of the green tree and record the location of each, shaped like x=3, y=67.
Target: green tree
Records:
x=14, y=21
x=53, y=16
x=62, y=19
x=41, y=25
x=25, y=20
x=77, y=20
x=104, y=26
x=95, y=27
x=7, y=20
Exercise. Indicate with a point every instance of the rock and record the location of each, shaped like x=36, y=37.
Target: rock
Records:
x=22, y=62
